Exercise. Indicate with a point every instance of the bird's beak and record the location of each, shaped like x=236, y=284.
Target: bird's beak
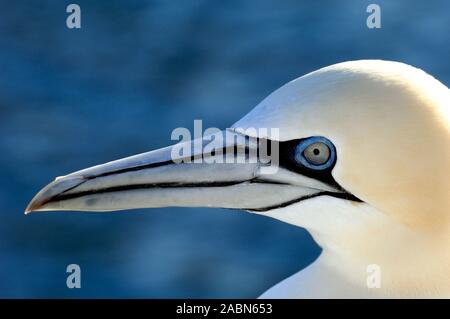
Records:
x=207, y=177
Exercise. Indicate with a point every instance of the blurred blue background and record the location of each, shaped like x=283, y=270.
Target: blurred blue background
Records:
x=118, y=86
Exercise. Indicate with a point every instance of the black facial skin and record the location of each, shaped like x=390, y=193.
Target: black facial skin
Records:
x=287, y=160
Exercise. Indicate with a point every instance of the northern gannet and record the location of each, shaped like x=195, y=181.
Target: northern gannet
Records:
x=364, y=166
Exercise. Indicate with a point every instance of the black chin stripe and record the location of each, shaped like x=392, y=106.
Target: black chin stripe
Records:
x=346, y=196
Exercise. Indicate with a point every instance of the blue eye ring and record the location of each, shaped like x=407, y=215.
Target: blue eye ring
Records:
x=304, y=144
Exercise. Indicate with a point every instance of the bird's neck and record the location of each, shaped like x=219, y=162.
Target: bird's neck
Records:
x=366, y=253
x=398, y=270
x=394, y=264
x=397, y=263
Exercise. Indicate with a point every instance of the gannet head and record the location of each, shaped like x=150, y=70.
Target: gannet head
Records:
x=364, y=162
x=390, y=126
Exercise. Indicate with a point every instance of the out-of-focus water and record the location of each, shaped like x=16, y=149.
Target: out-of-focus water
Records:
x=70, y=99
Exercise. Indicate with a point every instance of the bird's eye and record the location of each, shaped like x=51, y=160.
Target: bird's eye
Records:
x=316, y=153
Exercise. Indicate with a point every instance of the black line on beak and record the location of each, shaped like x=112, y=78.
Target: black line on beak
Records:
x=346, y=196
x=65, y=196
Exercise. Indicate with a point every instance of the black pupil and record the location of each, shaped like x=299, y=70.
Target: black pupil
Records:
x=316, y=151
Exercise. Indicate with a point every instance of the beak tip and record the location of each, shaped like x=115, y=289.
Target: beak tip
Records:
x=60, y=185
x=32, y=207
